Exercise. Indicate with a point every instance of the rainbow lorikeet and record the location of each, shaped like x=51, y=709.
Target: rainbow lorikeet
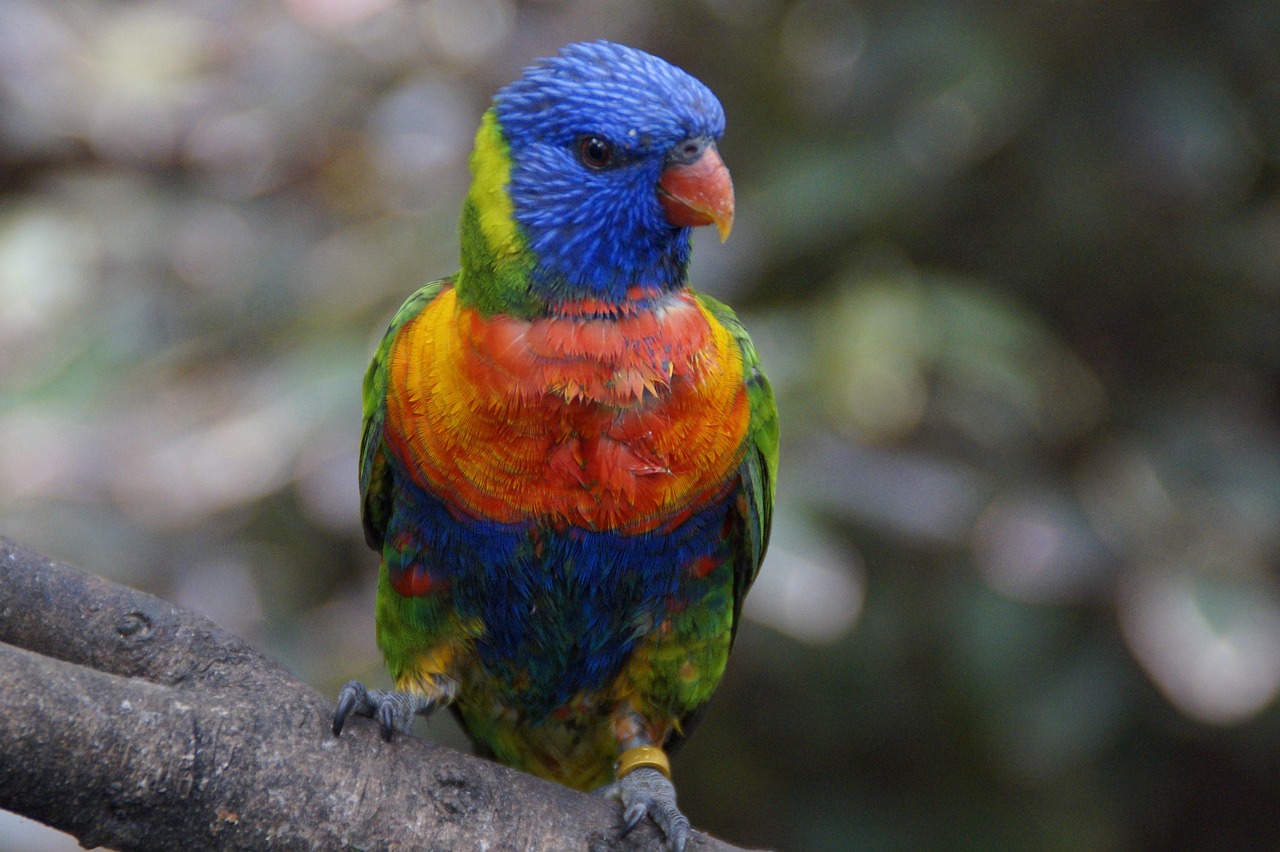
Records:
x=568, y=456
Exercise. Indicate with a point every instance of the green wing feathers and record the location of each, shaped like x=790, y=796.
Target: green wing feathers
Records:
x=375, y=476
x=760, y=459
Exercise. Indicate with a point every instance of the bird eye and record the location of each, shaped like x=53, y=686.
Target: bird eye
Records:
x=595, y=152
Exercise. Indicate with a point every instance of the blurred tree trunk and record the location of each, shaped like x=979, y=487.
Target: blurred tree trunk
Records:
x=133, y=724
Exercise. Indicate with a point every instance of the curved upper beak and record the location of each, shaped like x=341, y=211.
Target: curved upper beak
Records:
x=697, y=191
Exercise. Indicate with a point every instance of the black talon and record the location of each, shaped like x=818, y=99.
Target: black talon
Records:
x=351, y=695
x=679, y=832
x=386, y=720
x=340, y=716
x=632, y=816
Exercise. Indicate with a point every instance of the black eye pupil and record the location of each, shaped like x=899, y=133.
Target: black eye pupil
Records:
x=595, y=152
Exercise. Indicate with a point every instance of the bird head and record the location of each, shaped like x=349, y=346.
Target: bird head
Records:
x=588, y=173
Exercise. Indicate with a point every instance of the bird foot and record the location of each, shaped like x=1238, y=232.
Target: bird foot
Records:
x=393, y=710
x=647, y=791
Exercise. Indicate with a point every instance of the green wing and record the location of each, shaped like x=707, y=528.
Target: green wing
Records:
x=757, y=475
x=760, y=460
x=375, y=474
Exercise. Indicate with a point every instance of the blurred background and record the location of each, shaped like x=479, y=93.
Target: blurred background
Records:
x=1014, y=269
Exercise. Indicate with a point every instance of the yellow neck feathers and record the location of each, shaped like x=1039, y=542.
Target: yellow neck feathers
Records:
x=491, y=173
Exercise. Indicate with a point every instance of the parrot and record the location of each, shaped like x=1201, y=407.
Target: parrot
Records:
x=568, y=455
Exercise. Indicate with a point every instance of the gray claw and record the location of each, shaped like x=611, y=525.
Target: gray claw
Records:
x=648, y=791
x=353, y=697
x=631, y=818
x=394, y=711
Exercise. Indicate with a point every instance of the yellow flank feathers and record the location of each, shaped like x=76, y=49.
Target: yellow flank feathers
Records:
x=424, y=673
x=491, y=170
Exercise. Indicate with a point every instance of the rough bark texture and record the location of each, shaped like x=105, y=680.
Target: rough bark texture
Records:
x=133, y=724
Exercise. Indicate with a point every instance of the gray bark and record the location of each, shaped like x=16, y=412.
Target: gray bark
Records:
x=133, y=724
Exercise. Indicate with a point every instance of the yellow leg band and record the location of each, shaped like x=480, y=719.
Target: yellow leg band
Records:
x=634, y=758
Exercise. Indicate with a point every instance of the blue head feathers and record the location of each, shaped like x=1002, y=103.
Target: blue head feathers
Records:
x=590, y=131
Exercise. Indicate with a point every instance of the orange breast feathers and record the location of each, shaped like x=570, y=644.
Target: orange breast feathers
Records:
x=606, y=421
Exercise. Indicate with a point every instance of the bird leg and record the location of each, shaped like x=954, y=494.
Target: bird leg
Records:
x=394, y=710
x=643, y=783
x=646, y=790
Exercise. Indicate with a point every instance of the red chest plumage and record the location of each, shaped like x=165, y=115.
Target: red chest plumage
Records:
x=609, y=421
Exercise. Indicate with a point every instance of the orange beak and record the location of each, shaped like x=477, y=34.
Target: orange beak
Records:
x=698, y=193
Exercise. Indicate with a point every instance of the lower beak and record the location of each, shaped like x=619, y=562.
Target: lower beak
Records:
x=698, y=193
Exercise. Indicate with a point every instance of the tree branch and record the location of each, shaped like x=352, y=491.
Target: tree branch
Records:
x=133, y=724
